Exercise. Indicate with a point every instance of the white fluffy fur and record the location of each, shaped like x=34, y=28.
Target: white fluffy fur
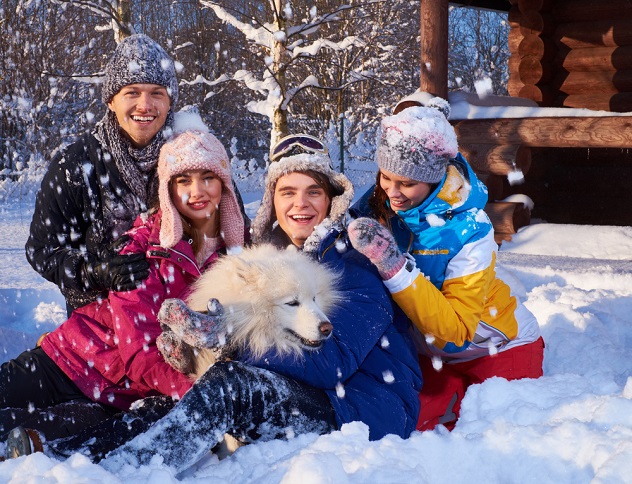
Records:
x=269, y=297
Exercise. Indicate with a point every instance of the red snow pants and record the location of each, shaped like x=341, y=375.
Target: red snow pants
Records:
x=443, y=390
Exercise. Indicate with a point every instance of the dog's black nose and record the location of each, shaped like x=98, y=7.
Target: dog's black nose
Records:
x=325, y=328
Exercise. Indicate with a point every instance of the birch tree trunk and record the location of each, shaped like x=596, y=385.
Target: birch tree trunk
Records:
x=278, y=69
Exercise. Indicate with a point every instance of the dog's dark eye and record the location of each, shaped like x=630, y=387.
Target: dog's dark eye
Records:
x=292, y=303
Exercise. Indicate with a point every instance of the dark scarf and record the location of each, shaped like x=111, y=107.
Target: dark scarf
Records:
x=137, y=168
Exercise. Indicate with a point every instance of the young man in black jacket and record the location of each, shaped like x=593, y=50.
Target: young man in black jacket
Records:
x=97, y=186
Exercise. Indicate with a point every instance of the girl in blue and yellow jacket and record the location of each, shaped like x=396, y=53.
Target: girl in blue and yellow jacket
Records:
x=470, y=325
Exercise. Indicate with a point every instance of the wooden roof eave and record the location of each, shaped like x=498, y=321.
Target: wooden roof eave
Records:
x=553, y=132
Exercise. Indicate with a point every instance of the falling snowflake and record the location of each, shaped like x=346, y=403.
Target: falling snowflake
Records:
x=340, y=390
x=388, y=376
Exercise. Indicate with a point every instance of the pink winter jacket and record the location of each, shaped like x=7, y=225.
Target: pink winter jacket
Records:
x=108, y=348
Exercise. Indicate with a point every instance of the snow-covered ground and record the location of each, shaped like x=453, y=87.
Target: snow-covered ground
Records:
x=574, y=425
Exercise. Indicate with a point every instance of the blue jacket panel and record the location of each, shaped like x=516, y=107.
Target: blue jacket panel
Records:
x=441, y=228
x=368, y=367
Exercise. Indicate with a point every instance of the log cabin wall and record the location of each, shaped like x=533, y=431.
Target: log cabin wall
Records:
x=572, y=53
x=532, y=51
x=564, y=53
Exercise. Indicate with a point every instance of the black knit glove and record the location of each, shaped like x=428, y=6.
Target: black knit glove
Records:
x=112, y=271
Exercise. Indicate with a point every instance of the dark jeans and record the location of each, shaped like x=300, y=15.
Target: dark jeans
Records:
x=35, y=393
x=231, y=397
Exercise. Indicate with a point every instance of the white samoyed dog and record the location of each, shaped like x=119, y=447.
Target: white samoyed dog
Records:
x=271, y=300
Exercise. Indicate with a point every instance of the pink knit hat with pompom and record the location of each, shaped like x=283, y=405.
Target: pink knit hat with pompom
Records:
x=197, y=150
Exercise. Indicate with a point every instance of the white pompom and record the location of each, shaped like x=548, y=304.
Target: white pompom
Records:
x=188, y=120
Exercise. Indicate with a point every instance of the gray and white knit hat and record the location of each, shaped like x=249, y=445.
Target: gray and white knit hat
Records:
x=418, y=142
x=197, y=149
x=139, y=60
x=321, y=163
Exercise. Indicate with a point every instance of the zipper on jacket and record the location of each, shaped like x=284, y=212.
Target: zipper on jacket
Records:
x=167, y=255
x=322, y=256
x=159, y=253
x=411, y=238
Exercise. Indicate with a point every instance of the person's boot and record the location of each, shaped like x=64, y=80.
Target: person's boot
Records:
x=23, y=441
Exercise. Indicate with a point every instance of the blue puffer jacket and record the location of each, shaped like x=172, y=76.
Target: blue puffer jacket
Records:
x=367, y=368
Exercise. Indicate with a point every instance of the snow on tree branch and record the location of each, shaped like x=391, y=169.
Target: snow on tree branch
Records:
x=283, y=44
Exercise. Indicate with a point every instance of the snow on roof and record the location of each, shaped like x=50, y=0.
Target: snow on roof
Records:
x=467, y=105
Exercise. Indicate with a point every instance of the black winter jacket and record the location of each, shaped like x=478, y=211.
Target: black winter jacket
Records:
x=68, y=218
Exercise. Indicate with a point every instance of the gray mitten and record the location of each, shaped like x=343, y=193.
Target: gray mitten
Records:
x=200, y=330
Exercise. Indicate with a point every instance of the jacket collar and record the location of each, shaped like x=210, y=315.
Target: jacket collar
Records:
x=321, y=239
x=454, y=194
x=181, y=253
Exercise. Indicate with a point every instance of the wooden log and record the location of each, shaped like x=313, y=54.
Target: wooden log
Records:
x=569, y=11
x=598, y=59
x=555, y=132
x=538, y=5
x=605, y=82
x=507, y=218
x=514, y=87
x=500, y=238
x=530, y=70
x=531, y=45
x=497, y=159
x=613, y=32
x=531, y=22
x=543, y=95
x=533, y=71
x=540, y=23
x=513, y=16
x=514, y=37
x=495, y=186
x=434, y=47
x=514, y=84
x=617, y=103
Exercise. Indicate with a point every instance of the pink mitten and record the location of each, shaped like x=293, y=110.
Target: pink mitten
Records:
x=200, y=330
x=177, y=353
x=377, y=243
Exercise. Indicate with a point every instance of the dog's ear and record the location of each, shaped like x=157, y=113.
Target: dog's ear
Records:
x=248, y=271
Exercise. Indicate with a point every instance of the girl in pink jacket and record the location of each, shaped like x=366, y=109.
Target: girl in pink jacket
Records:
x=105, y=356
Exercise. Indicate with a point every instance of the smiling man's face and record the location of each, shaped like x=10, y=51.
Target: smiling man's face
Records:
x=300, y=204
x=141, y=111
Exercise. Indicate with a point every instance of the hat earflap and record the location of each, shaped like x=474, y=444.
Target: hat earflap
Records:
x=171, y=223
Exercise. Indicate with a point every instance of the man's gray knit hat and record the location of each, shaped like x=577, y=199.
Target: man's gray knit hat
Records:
x=321, y=163
x=139, y=60
x=418, y=142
